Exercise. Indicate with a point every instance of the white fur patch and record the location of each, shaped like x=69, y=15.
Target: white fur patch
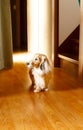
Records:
x=39, y=81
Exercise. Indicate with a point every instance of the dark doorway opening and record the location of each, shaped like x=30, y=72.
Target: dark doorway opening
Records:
x=19, y=24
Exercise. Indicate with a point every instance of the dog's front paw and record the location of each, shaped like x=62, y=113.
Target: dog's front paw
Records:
x=36, y=90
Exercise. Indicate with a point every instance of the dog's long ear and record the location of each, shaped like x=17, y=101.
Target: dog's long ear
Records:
x=42, y=66
x=45, y=66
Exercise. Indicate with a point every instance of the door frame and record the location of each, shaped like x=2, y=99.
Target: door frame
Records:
x=56, y=33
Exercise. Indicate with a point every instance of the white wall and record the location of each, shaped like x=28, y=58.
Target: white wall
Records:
x=39, y=17
x=69, y=18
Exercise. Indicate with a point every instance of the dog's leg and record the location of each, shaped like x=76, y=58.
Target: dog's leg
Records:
x=46, y=89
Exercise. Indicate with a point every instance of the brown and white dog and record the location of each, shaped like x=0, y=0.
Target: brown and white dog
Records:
x=40, y=72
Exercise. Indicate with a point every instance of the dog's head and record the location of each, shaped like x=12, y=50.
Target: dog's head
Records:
x=40, y=63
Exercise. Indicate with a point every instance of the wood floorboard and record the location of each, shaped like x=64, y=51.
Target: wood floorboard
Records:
x=61, y=108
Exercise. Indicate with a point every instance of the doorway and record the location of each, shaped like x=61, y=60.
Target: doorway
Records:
x=19, y=24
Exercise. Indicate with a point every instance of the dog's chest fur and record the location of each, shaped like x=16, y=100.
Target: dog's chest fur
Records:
x=38, y=80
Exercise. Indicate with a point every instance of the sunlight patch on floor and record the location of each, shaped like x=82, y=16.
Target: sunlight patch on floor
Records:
x=20, y=57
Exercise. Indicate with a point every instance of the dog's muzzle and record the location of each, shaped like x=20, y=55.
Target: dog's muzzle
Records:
x=29, y=64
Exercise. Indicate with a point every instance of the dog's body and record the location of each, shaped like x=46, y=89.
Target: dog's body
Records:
x=40, y=72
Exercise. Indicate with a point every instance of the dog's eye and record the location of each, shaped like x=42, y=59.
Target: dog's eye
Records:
x=36, y=59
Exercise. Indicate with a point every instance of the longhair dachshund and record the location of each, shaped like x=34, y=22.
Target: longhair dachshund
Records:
x=40, y=72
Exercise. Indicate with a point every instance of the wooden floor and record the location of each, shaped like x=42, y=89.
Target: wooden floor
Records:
x=61, y=108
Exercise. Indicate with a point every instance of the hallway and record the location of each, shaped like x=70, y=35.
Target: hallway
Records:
x=61, y=108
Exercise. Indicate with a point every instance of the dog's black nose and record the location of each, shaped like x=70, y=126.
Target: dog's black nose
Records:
x=27, y=63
